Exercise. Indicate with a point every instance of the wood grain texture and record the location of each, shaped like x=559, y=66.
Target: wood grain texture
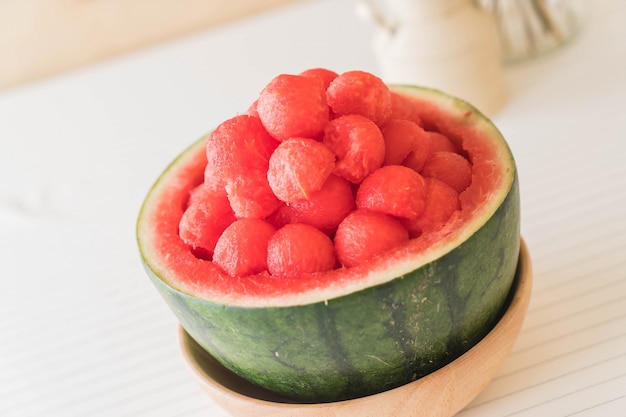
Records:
x=43, y=37
x=442, y=393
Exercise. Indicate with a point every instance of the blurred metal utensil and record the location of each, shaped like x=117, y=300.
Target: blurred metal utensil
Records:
x=530, y=27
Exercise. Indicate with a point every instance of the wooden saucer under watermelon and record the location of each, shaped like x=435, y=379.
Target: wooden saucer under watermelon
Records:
x=442, y=393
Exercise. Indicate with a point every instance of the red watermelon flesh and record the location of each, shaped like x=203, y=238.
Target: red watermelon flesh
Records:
x=299, y=167
x=293, y=106
x=395, y=190
x=403, y=137
x=242, y=247
x=297, y=249
x=326, y=208
x=366, y=233
x=358, y=148
x=359, y=92
x=358, y=145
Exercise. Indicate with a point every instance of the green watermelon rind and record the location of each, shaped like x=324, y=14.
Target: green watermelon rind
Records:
x=388, y=333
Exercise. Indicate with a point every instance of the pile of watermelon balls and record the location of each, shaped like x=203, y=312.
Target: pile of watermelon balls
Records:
x=323, y=171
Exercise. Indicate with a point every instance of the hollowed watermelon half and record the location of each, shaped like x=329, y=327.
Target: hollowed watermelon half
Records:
x=352, y=331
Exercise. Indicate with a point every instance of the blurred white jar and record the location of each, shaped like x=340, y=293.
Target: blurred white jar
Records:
x=451, y=45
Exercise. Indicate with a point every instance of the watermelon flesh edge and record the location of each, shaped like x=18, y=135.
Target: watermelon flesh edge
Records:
x=384, y=329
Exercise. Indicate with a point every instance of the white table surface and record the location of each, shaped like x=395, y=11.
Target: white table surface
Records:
x=84, y=333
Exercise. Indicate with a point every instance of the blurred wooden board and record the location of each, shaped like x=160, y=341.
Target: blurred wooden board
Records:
x=39, y=38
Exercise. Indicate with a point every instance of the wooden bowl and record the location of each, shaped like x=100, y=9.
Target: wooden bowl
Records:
x=442, y=393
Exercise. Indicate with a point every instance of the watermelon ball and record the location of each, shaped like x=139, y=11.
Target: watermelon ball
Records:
x=251, y=196
x=242, y=248
x=441, y=142
x=281, y=216
x=406, y=143
x=441, y=202
x=358, y=144
x=398, y=135
x=293, y=106
x=326, y=75
x=449, y=167
x=403, y=108
x=204, y=220
x=197, y=194
x=360, y=92
x=239, y=144
x=420, y=152
x=395, y=190
x=297, y=249
x=299, y=167
x=326, y=208
x=364, y=234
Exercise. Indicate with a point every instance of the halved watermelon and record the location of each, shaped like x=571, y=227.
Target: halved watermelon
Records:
x=358, y=330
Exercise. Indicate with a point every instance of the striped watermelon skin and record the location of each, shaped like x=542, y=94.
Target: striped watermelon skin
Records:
x=372, y=339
